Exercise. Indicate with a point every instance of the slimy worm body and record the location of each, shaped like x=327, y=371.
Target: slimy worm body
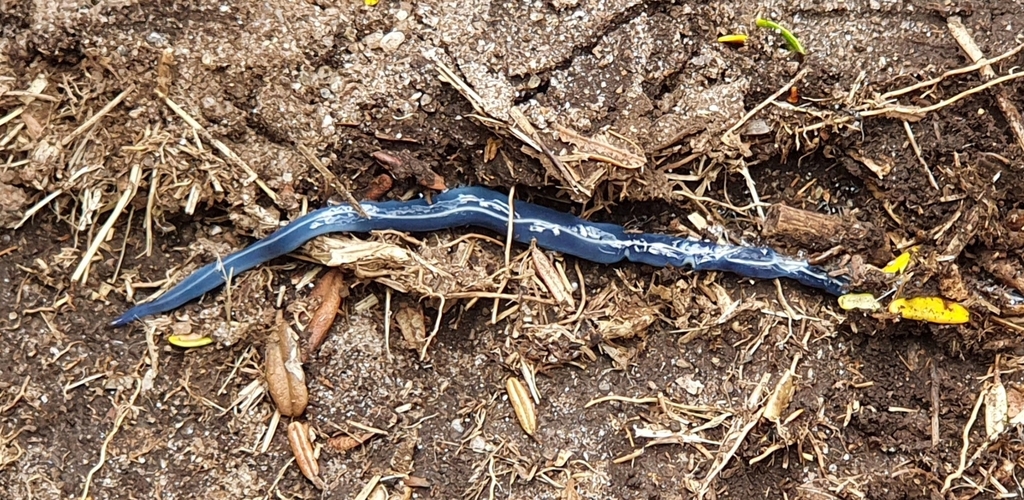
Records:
x=479, y=207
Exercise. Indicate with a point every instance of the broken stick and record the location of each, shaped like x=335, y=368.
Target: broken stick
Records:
x=818, y=232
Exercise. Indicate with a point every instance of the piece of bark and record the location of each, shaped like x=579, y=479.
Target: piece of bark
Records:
x=378, y=187
x=952, y=285
x=818, y=232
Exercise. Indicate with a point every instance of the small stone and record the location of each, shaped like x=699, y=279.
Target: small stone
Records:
x=373, y=40
x=157, y=38
x=757, y=127
x=392, y=41
x=687, y=382
x=428, y=104
x=457, y=426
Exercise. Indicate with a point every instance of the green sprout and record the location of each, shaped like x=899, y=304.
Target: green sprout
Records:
x=791, y=40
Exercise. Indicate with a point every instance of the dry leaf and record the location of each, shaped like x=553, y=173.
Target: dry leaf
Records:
x=860, y=301
x=881, y=169
x=285, y=378
x=931, y=309
x=626, y=323
x=605, y=147
x=403, y=164
x=1015, y=405
x=378, y=493
x=563, y=458
x=416, y=482
x=491, y=150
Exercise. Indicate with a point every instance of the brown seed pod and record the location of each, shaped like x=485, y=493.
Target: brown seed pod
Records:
x=283, y=370
x=329, y=291
x=519, y=397
x=302, y=448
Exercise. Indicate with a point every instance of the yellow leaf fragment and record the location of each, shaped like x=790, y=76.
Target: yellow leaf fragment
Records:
x=861, y=301
x=899, y=264
x=931, y=309
x=738, y=38
x=370, y=3
x=189, y=341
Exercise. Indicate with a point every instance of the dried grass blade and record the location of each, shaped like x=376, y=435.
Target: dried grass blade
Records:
x=133, y=186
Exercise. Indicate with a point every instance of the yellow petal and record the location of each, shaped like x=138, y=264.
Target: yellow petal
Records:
x=931, y=309
x=862, y=301
x=189, y=341
x=370, y=3
x=738, y=38
x=899, y=264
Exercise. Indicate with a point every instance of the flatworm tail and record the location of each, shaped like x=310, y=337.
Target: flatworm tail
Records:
x=480, y=207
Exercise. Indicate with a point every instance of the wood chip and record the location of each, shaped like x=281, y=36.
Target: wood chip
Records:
x=378, y=187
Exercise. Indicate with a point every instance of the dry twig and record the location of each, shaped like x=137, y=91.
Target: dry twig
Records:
x=133, y=185
x=917, y=152
x=122, y=412
x=220, y=146
x=98, y=116
x=750, y=114
x=962, y=37
x=332, y=180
